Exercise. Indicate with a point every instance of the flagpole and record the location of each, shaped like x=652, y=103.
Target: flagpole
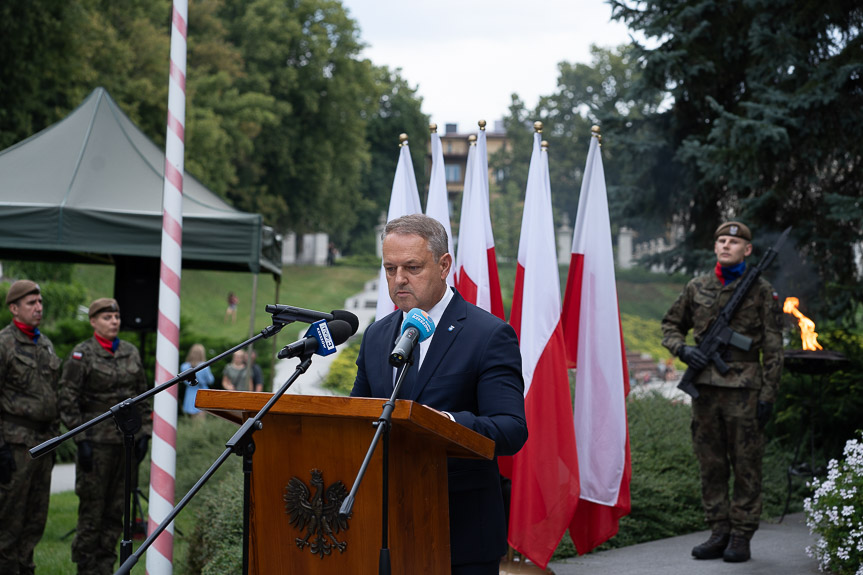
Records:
x=163, y=454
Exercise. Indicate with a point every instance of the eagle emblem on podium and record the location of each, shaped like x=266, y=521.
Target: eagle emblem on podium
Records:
x=318, y=514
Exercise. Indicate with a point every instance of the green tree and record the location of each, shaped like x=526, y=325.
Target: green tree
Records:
x=600, y=93
x=304, y=53
x=38, y=64
x=764, y=122
x=397, y=109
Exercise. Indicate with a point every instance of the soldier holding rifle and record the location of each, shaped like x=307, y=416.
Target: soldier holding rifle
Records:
x=734, y=383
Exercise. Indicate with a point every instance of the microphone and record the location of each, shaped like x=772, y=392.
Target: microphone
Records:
x=321, y=338
x=417, y=327
x=288, y=313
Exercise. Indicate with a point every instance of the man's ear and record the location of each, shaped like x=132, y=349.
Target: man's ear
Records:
x=446, y=264
x=748, y=251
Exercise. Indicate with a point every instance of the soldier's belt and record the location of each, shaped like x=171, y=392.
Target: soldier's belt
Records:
x=734, y=354
x=37, y=426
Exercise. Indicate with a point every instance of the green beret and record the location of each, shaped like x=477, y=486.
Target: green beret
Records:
x=103, y=304
x=735, y=229
x=21, y=288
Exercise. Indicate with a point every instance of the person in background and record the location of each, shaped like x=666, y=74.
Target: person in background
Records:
x=731, y=410
x=257, y=373
x=196, y=356
x=231, y=310
x=237, y=376
x=29, y=371
x=101, y=372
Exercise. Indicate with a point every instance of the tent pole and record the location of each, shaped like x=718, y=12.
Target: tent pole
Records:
x=254, y=305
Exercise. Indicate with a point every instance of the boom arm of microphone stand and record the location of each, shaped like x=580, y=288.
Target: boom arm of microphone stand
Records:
x=187, y=375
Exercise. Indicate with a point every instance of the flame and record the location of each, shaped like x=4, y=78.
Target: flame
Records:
x=807, y=326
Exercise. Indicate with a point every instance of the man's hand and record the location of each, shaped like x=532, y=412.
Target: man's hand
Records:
x=85, y=456
x=763, y=413
x=693, y=357
x=7, y=465
x=141, y=446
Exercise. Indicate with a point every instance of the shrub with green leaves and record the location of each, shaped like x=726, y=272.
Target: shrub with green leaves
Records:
x=835, y=514
x=343, y=369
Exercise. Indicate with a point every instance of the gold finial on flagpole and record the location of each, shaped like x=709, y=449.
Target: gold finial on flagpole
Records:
x=432, y=127
x=403, y=140
x=481, y=125
x=472, y=139
x=544, y=145
x=594, y=133
x=538, y=127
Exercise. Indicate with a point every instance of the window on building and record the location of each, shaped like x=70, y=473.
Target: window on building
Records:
x=453, y=172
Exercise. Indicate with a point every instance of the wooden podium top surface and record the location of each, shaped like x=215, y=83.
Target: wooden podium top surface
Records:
x=460, y=441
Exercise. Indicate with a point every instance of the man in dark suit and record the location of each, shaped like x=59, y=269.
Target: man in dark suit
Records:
x=469, y=370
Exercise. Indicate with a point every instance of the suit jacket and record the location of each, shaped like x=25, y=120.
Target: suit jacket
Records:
x=472, y=370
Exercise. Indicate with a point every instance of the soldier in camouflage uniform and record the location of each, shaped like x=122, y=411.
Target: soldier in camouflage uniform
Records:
x=101, y=372
x=729, y=415
x=29, y=370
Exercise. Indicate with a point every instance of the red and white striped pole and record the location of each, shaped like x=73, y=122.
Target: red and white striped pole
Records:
x=164, y=454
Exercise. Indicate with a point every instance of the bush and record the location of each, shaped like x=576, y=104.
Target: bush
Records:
x=216, y=544
x=665, y=487
x=343, y=369
x=835, y=514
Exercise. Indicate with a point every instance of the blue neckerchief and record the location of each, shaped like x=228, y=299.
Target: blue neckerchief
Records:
x=115, y=344
x=36, y=335
x=731, y=273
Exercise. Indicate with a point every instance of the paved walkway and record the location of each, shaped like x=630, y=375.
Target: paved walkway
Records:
x=311, y=382
x=777, y=549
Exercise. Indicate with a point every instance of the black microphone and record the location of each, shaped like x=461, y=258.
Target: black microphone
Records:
x=417, y=327
x=289, y=313
x=348, y=317
x=322, y=339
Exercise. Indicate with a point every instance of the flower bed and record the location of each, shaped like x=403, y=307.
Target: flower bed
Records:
x=835, y=514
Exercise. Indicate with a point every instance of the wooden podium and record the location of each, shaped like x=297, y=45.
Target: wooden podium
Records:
x=332, y=435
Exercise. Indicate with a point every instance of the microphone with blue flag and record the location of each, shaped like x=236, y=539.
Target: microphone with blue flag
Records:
x=321, y=339
x=418, y=326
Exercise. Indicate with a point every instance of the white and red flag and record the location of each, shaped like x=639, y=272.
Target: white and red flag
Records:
x=544, y=473
x=404, y=200
x=437, y=205
x=478, y=280
x=594, y=345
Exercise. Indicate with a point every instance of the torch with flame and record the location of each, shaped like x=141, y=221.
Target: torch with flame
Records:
x=807, y=326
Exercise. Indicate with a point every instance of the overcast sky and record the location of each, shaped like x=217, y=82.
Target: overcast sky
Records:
x=468, y=56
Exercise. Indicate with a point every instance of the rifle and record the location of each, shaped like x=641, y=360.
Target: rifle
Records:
x=719, y=336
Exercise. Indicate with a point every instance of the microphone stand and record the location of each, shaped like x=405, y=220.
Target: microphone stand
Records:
x=383, y=424
x=242, y=444
x=128, y=421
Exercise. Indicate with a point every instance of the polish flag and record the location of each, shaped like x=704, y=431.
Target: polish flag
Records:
x=437, y=206
x=594, y=345
x=544, y=473
x=478, y=277
x=404, y=200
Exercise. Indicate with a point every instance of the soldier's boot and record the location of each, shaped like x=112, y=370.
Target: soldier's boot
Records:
x=712, y=548
x=737, y=550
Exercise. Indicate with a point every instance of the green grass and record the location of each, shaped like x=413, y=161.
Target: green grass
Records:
x=204, y=295
x=53, y=555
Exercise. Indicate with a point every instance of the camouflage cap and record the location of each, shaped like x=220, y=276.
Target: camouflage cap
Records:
x=21, y=288
x=103, y=304
x=735, y=229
